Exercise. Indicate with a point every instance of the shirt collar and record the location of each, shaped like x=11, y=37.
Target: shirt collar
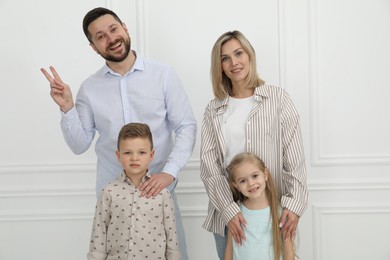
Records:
x=124, y=178
x=221, y=104
x=138, y=65
x=260, y=93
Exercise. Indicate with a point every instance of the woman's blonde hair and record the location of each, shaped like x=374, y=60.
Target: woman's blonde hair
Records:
x=222, y=85
x=270, y=191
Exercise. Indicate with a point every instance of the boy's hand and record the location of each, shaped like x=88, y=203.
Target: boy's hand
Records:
x=155, y=184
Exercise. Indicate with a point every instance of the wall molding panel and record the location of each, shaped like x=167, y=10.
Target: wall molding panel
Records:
x=318, y=158
x=88, y=167
x=190, y=188
x=321, y=211
x=282, y=44
x=141, y=27
x=348, y=184
x=47, y=191
x=110, y=4
x=44, y=215
x=47, y=168
x=189, y=182
x=193, y=212
x=194, y=188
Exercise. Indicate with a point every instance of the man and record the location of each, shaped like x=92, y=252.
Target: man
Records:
x=127, y=89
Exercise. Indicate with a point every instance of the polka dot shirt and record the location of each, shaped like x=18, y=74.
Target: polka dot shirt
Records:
x=128, y=226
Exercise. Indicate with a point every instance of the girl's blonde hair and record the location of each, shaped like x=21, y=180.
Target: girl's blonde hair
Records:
x=271, y=193
x=222, y=85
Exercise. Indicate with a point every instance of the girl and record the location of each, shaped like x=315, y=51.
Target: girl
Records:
x=254, y=191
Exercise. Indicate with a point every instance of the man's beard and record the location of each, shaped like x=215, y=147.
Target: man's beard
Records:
x=127, y=45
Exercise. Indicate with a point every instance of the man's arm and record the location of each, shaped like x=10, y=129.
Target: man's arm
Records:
x=59, y=91
x=76, y=136
x=183, y=123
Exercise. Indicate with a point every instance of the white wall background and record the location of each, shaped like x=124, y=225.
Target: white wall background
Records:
x=333, y=57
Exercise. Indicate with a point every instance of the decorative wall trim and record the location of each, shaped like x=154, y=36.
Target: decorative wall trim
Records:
x=109, y=4
x=80, y=191
x=185, y=186
x=141, y=27
x=61, y=167
x=65, y=215
x=282, y=44
x=51, y=168
x=343, y=184
x=320, y=210
x=192, y=212
x=45, y=215
x=47, y=191
x=192, y=165
x=190, y=188
x=319, y=159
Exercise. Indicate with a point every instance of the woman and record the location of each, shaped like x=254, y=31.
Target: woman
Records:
x=247, y=115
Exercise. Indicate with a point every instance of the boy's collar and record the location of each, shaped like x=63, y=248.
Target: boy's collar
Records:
x=124, y=178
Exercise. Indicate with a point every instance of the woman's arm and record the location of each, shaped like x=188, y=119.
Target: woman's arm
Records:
x=288, y=250
x=295, y=200
x=212, y=171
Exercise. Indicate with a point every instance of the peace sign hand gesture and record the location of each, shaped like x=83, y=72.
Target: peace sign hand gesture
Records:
x=59, y=91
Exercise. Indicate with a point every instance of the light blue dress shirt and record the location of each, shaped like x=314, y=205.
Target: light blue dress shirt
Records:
x=150, y=93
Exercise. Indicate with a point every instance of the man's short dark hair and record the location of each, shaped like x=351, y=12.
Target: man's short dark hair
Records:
x=95, y=14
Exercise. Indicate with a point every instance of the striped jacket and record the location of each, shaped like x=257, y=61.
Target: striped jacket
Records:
x=274, y=134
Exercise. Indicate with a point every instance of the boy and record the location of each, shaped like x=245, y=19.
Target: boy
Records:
x=126, y=224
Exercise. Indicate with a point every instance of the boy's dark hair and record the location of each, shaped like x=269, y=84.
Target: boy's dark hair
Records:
x=135, y=130
x=95, y=14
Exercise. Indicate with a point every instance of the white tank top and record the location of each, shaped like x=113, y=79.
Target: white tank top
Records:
x=234, y=122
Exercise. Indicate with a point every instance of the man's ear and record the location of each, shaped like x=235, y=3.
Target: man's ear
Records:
x=118, y=155
x=93, y=47
x=125, y=28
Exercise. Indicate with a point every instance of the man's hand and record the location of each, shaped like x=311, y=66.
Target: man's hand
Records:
x=59, y=91
x=155, y=184
x=235, y=228
x=288, y=222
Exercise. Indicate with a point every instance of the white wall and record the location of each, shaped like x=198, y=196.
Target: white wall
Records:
x=331, y=56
